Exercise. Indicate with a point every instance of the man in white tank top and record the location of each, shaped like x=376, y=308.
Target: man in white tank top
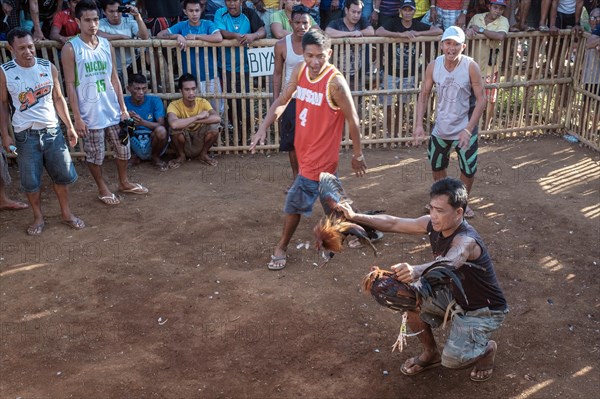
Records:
x=96, y=98
x=288, y=54
x=31, y=85
x=460, y=104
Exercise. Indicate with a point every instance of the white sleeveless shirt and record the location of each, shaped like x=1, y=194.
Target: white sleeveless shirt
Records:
x=30, y=90
x=291, y=59
x=98, y=103
x=453, y=98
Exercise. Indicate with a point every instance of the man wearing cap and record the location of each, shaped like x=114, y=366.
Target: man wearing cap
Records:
x=494, y=26
x=403, y=67
x=460, y=104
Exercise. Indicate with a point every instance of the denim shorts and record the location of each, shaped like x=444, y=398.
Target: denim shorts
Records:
x=470, y=331
x=301, y=196
x=44, y=148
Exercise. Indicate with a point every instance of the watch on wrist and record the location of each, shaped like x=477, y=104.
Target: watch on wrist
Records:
x=464, y=12
x=481, y=30
x=359, y=158
x=376, y=10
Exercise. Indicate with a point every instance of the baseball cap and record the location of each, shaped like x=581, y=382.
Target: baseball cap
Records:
x=454, y=33
x=500, y=2
x=408, y=3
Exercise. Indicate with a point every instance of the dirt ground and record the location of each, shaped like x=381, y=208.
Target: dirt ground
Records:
x=168, y=296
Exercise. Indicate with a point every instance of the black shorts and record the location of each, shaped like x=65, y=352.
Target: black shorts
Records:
x=439, y=154
x=565, y=21
x=287, y=126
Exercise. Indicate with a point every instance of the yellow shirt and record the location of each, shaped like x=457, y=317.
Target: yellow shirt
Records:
x=422, y=8
x=274, y=4
x=482, y=49
x=178, y=108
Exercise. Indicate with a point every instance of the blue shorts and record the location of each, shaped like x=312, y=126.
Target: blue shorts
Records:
x=301, y=196
x=45, y=148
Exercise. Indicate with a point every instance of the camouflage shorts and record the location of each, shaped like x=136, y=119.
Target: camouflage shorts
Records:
x=469, y=332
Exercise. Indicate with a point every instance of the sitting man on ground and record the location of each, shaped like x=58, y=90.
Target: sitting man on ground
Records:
x=118, y=27
x=150, y=138
x=475, y=317
x=194, y=124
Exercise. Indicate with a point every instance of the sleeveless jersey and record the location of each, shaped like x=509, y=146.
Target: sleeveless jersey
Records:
x=98, y=101
x=30, y=90
x=478, y=276
x=454, y=97
x=291, y=59
x=319, y=124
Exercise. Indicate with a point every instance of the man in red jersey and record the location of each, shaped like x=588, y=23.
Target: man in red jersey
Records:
x=323, y=102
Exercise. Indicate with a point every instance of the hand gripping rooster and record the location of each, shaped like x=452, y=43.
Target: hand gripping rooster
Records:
x=334, y=228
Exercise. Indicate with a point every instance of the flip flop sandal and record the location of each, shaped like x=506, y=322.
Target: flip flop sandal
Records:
x=473, y=378
x=424, y=366
x=75, y=224
x=111, y=199
x=36, y=230
x=277, y=262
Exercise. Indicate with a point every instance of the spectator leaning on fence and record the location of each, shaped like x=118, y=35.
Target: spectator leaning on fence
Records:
x=10, y=11
x=264, y=11
x=446, y=13
x=150, y=139
x=566, y=14
x=196, y=28
x=494, y=26
x=194, y=124
x=544, y=10
x=591, y=66
x=383, y=10
x=281, y=22
x=330, y=10
x=460, y=104
x=117, y=26
x=352, y=24
x=64, y=25
x=41, y=13
x=245, y=27
x=96, y=98
x=159, y=14
x=403, y=62
x=32, y=86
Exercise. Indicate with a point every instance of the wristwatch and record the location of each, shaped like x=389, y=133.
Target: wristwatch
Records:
x=481, y=30
x=375, y=10
x=464, y=12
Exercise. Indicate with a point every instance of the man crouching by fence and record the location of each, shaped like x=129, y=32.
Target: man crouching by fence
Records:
x=194, y=123
x=477, y=313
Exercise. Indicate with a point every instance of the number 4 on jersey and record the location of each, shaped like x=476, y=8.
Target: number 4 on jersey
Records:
x=303, y=116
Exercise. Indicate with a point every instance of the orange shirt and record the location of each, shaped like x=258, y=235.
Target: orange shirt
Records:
x=319, y=125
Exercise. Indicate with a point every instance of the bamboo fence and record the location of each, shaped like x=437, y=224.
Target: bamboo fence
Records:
x=541, y=86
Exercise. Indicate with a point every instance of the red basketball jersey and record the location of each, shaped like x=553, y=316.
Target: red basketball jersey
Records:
x=319, y=124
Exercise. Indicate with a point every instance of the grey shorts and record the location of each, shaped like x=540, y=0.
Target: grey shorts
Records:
x=470, y=331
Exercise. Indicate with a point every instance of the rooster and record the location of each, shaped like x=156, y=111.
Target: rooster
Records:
x=332, y=230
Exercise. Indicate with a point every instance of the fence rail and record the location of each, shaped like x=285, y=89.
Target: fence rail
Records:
x=543, y=84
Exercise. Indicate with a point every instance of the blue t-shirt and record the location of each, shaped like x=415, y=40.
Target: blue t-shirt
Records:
x=247, y=22
x=596, y=31
x=205, y=28
x=151, y=109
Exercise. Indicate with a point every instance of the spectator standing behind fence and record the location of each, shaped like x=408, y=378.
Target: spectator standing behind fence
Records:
x=329, y=11
x=96, y=99
x=323, y=104
x=281, y=22
x=160, y=14
x=494, y=26
x=41, y=13
x=117, y=26
x=446, y=13
x=544, y=10
x=566, y=14
x=244, y=26
x=196, y=28
x=10, y=12
x=265, y=11
x=288, y=54
x=32, y=86
x=64, y=25
x=150, y=138
x=460, y=104
x=591, y=65
x=422, y=8
x=404, y=61
x=194, y=124
x=384, y=10
x=352, y=24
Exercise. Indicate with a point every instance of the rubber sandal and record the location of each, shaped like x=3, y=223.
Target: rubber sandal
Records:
x=416, y=361
x=277, y=262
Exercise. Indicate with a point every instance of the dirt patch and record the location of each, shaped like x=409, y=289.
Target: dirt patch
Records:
x=80, y=310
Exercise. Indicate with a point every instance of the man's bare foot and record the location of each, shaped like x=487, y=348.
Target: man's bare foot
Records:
x=418, y=364
x=485, y=366
x=10, y=205
x=175, y=163
x=206, y=160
